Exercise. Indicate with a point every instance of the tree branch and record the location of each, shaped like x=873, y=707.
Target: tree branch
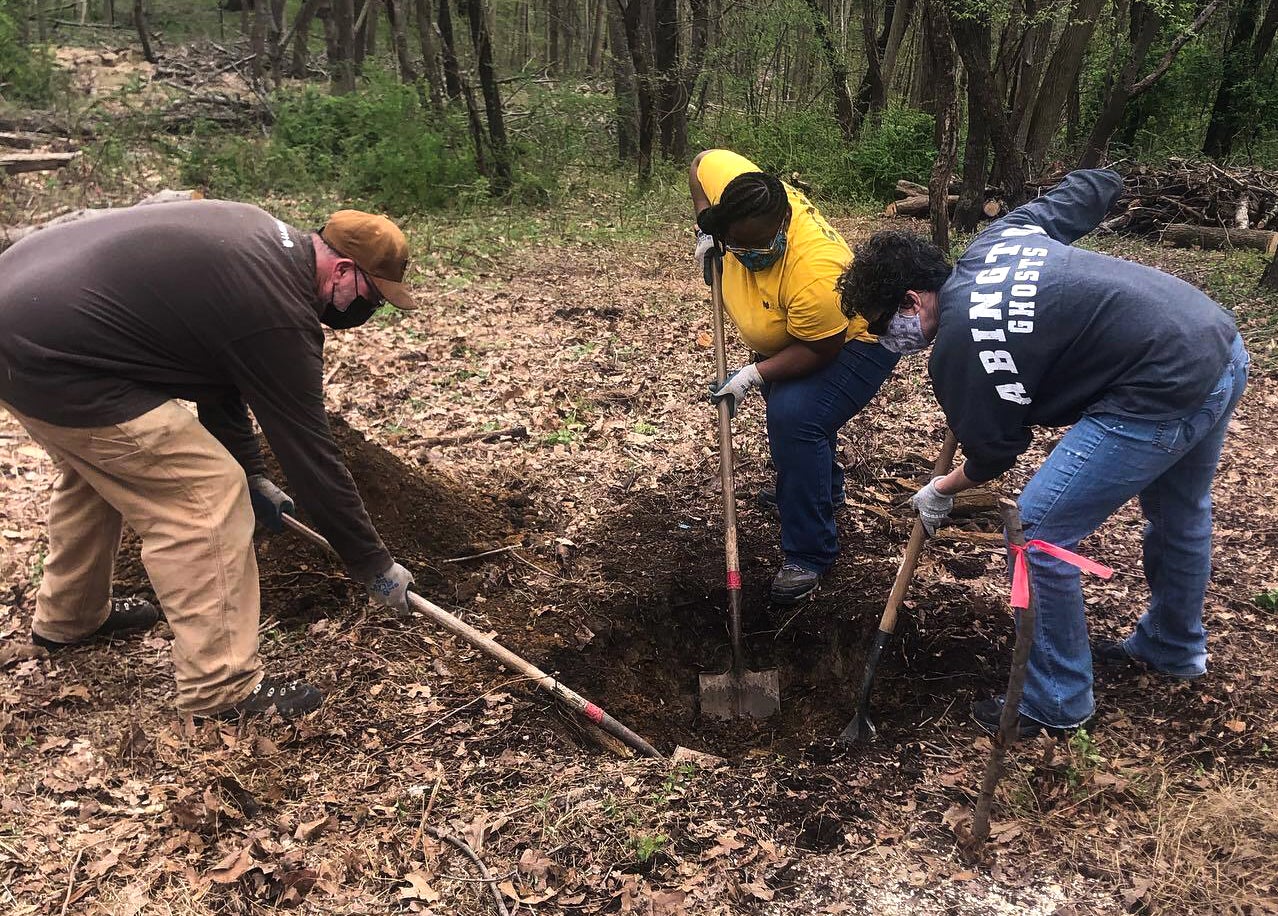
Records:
x=1169, y=58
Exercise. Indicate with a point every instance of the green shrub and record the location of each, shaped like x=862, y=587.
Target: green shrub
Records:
x=810, y=143
x=27, y=75
x=378, y=146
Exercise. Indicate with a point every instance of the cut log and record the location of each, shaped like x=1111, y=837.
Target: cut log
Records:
x=992, y=208
x=16, y=163
x=910, y=188
x=27, y=140
x=914, y=206
x=1181, y=235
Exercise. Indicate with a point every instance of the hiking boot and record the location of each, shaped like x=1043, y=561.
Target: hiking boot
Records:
x=987, y=714
x=793, y=584
x=1115, y=654
x=767, y=499
x=128, y=615
x=291, y=699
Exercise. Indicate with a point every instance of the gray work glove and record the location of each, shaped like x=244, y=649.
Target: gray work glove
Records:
x=270, y=503
x=736, y=386
x=933, y=506
x=390, y=588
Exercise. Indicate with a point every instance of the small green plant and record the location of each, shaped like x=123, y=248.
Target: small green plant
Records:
x=1084, y=757
x=647, y=845
x=568, y=432
x=1268, y=599
x=644, y=428
x=37, y=566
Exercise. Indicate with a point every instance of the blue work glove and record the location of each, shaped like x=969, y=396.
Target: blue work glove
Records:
x=270, y=503
x=736, y=386
x=390, y=588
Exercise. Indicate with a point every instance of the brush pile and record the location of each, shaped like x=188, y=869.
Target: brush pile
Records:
x=1202, y=204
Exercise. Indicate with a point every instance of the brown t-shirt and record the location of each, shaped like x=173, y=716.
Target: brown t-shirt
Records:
x=208, y=301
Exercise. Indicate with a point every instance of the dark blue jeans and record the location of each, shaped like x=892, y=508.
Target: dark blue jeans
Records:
x=804, y=419
x=1101, y=463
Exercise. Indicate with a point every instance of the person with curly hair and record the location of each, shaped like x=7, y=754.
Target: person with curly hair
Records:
x=816, y=368
x=1028, y=330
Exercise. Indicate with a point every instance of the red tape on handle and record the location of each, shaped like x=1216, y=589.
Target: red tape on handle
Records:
x=734, y=579
x=1020, y=567
x=593, y=713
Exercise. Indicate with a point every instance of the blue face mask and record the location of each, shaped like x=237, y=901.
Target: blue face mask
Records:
x=761, y=259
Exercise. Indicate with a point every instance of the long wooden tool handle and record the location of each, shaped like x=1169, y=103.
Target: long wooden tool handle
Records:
x=727, y=481
x=508, y=659
x=887, y=624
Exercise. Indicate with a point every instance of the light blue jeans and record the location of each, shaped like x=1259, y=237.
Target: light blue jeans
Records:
x=1102, y=462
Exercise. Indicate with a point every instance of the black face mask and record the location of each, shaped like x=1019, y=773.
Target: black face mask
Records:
x=355, y=314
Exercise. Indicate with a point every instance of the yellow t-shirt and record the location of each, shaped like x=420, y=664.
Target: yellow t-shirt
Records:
x=793, y=299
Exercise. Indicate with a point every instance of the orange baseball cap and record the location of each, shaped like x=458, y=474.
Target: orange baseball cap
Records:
x=379, y=248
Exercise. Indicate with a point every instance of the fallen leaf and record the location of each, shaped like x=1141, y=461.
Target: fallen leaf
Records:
x=418, y=887
x=232, y=868
x=1236, y=725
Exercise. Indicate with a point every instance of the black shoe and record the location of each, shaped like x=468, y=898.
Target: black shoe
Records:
x=767, y=499
x=988, y=713
x=793, y=584
x=1114, y=654
x=128, y=615
x=290, y=699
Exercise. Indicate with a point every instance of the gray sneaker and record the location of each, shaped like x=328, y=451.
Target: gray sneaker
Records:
x=793, y=584
x=290, y=699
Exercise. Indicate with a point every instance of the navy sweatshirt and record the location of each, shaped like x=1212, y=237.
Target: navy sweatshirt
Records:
x=1034, y=332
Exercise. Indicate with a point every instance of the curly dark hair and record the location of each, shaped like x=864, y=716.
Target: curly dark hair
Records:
x=749, y=194
x=883, y=270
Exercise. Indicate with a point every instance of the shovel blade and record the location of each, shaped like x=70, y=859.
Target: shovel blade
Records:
x=741, y=695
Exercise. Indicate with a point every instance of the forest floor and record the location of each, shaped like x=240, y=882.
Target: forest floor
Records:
x=608, y=507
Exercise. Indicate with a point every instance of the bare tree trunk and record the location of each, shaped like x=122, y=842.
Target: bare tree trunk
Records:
x=1028, y=67
x=1065, y=64
x=623, y=84
x=872, y=96
x=482, y=40
x=399, y=38
x=667, y=53
x=275, y=40
x=971, y=37
x=261, y=15
x=139, y=20
x=1247, y=48
x=448, y=48
x=430, y=53
x=901, y=16
x=598, y=32
x=343, y=68
x=637, y=16
x=940, y=46
x=844, y=111
x=301, y=38
x=554, y=12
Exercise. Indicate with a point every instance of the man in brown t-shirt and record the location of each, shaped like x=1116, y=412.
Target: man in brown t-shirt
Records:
x=103, y=323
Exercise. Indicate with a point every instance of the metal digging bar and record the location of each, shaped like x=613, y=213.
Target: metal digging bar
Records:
x=570, y=698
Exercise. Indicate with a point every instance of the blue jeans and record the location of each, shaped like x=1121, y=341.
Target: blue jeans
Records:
x=1102, y=462
x=804, y=418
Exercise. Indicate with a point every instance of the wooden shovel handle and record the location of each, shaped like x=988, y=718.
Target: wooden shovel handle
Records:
x=887, y=623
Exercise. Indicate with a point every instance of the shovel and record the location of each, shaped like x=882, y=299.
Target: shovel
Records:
x=507, y=659
x=739, y=692
x=861, y=727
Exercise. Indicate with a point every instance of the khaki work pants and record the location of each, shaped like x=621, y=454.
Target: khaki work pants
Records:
x=187, y=498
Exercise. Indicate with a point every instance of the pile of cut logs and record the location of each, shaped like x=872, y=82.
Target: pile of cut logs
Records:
x=1203, y=204
x=912, y=200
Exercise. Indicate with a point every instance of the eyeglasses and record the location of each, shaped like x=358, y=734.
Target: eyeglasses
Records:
x=376, y=298
x=741, y=249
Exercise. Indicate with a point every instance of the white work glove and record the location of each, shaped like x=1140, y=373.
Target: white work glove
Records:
x=390, y=588
x=933, y=506
x=705, y=244
x=736, y=386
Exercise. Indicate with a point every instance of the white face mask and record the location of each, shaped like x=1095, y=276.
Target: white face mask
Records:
x=904, y=334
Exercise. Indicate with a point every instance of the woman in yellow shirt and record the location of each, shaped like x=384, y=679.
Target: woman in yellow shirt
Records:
x=815, y=367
